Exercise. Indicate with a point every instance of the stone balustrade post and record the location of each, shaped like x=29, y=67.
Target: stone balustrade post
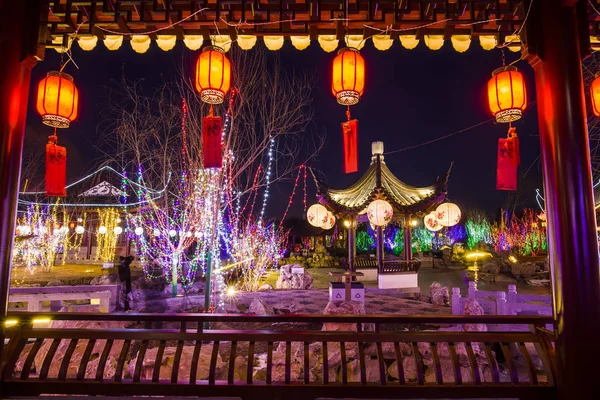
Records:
x=456, y=305
x=473, y=290
x=501, y=308
x=512, y=295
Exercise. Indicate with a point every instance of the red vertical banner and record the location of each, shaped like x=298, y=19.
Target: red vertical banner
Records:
x=212, y=131
x=508, y=162
x=350, y=140
x=56, y=170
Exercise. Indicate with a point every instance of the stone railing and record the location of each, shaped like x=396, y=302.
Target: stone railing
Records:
x=502, y=303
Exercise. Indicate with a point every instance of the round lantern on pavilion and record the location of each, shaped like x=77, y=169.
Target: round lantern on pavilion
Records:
x=213, y=75
x=79, y=229
x=448, y=214
x=348, y=81
x=138, y=231
x=316, y=215
x=507, y=94
x=329, y=221
x=595, y=95
x=57, y=99
x=118, y=230
x=102, y=230
x=432, y=223
x=380, y=212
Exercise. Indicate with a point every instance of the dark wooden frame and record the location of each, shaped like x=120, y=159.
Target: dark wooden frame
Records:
x=189, y=328
x=311, y=17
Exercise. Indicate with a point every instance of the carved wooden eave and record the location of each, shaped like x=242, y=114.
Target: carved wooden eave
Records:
x=405, y=199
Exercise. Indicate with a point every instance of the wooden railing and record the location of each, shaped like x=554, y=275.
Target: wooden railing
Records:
x=389, y=266
x=293, y=356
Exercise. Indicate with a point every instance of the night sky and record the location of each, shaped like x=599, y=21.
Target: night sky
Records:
x=411, y=97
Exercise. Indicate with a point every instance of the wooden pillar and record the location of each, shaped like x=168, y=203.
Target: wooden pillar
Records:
x=379, y=245
x=351, y=243
x=89, y=241
x=19, y=27
x=407, y=238
x=554, y=50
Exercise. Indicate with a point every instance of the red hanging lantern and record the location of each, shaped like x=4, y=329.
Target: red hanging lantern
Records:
x=213, y=75
x=507, y=94
x=595, y=96
x=212, y=129
x=509, y=159
x=348, y=82
x=57, y=99
x=56, y=168
x=350, y=140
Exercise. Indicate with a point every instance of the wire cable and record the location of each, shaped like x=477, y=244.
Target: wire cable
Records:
x=440, y=138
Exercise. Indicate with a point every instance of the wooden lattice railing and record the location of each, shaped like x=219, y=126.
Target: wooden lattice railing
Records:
x=296, y=356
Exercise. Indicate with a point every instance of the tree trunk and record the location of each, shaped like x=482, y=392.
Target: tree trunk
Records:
x=174, y=272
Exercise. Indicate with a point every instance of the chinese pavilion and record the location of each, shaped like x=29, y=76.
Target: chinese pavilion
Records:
x=378, y=182
x=88, y=202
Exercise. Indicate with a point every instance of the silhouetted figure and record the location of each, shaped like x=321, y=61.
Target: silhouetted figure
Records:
x=125, y=277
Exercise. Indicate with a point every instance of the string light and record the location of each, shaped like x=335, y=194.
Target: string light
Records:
x=106, y=237
x=267, y=178
x=43, y=233
x=293, y=194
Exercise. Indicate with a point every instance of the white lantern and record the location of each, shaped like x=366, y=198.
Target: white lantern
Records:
x=197, y=234
x=188, y=234
x=448, y=214
x=380, y=212
x=156, y=232
x=317, y=215
x=172, y=232
x=26, y=230
x=139, y=231
x=432, y=223
x=64, y=229
x=56, y=231
x=102, y=230
x=118, y=230
x=79, y=230
x=330, y=222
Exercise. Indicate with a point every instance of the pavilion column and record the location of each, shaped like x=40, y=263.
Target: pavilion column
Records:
x=352, y=244
x=19, y=27
x=407, y=239
x=379, y=243
x=553, y=48
x=89, y=241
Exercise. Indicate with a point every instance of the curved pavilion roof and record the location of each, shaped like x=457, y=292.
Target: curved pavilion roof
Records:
x=404, y=198
x=100, y=189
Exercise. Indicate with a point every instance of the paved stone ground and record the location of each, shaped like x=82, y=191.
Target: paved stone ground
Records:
x=377, y=301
